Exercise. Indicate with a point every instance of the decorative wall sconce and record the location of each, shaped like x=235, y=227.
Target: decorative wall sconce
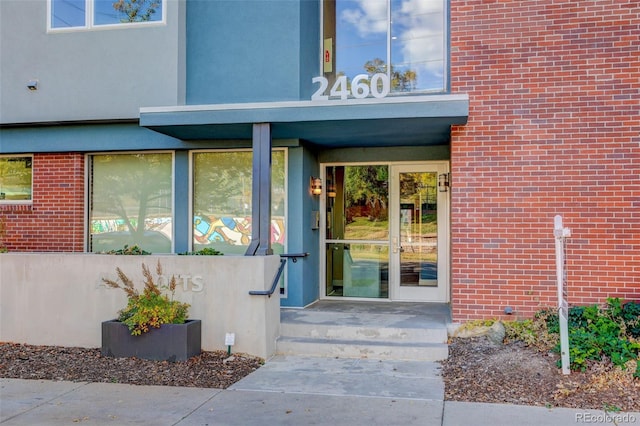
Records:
x=443, y=182
x=32, y=85
x=315, y=185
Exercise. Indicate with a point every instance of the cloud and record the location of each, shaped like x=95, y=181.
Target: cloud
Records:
x=367, y=16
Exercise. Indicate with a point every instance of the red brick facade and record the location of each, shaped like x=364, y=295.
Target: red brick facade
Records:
x=554, y=128
x=55, y=220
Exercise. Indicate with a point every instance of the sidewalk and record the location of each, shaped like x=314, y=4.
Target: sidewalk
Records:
x=285, y=391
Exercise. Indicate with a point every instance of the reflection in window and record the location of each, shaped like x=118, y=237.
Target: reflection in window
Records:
x=131, y=202
x=90, y=13
x=222, y=200
x=15, y=178
x=357, y=211
x=357, y=270
x=357, y=203
x=366, y=35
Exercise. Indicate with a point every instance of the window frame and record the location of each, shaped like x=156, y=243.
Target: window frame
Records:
x=89, y=24
x=5, y=202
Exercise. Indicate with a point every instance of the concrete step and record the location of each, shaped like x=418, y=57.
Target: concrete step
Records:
x=365, y=333
x=371, y=349
x=376, y=331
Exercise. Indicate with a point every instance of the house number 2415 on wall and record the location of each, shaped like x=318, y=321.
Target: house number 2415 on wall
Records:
x=361, y=87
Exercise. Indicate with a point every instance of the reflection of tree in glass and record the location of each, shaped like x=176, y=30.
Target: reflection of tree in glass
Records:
x=136, y=10
x=15, y=178
x=223, y=182
x=404, y=81
x=368, y=185
x=133, y=188
x=420, y=189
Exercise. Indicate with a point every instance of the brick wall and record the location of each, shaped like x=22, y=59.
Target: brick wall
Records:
x=55, y=220
x=554, y=128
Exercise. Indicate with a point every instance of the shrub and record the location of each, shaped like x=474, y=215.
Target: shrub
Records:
x=151, y=308
x=631, y=317
x=207, y=251
x=128, y=250
x=598, y=332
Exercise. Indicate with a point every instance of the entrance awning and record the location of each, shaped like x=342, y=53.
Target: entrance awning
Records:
x=392, y=121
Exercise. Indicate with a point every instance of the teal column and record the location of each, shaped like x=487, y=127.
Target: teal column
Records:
x=181, y=217
x=261, y=192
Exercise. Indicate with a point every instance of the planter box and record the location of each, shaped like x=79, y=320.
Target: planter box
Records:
x=170, y=342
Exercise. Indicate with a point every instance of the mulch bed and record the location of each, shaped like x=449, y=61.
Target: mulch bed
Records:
x=480, y=371
x=207, y=370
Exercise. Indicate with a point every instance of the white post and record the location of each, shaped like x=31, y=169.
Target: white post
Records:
x=561, y=234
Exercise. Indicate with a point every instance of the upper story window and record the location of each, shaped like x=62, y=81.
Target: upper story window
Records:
x=84, y=14
x=404, y=39
x=16, y=179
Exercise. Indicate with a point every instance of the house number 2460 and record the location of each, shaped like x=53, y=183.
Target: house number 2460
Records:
x=361, y=87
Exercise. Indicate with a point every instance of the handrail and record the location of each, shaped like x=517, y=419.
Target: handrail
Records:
x=283, y=261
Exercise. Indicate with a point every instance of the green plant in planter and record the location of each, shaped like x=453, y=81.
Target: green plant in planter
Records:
x=128, y=250
x=152, y=308
x=207, y=251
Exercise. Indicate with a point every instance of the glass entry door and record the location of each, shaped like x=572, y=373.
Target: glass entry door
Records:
x=357, y=231
x=419, y=247
x=385, y=232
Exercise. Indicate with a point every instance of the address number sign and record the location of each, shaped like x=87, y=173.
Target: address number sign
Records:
x=361, y=87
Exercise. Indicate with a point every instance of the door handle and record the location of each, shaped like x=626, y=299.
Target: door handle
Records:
x=395, y=247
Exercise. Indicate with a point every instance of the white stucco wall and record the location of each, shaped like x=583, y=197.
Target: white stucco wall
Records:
x=60, y=299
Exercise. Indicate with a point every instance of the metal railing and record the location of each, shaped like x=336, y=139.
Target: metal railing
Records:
x=283, y=261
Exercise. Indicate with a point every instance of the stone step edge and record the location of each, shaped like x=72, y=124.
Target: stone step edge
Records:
x=434, y=335
x=351, y=342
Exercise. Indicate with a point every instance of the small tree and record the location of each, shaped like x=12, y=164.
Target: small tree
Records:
x=136, y=10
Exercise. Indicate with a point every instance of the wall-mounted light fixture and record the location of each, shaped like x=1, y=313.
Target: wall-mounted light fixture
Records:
x=32, y=85
x=443, y=182
x=315, y=185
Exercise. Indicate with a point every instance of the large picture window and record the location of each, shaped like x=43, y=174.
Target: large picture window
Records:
x=16, y=179
x=222, y=195
x=131, y=199
x=94, y=13
x=404, y=39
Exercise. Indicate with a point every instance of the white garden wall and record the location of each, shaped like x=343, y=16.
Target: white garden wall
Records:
x=60, y=299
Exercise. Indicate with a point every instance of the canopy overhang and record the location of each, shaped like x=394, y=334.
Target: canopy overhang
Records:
x=392, y=121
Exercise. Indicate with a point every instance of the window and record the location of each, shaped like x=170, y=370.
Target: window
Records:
x=222, y=195
x=131, y=199
x=93, y=13
x=16, y=179
x=363, y=36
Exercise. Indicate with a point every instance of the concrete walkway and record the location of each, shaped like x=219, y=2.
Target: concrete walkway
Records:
x=285, y=391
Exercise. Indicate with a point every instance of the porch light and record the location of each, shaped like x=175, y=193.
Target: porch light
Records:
x=315, y=185
x=443, y=182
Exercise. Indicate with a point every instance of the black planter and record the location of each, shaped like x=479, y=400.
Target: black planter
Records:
x=170, y=342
